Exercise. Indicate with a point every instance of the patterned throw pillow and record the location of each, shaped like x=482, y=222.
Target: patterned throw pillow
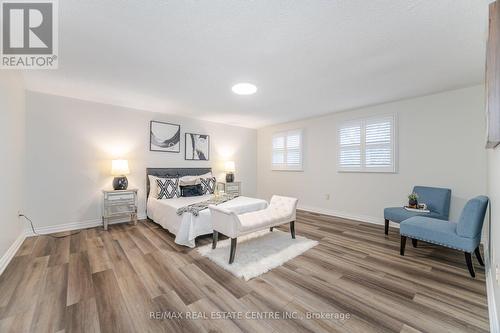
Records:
x=208, y=185
x=168, y=188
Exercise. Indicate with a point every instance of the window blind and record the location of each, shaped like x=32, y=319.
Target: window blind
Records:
x=287, y=150
x=367, y=145
x=350, y=146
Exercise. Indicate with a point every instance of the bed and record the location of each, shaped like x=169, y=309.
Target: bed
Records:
x=187, y=227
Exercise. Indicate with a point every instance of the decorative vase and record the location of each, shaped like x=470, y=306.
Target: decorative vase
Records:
x=412, y=202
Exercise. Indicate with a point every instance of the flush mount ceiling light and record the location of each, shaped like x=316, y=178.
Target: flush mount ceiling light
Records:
x=244, y=89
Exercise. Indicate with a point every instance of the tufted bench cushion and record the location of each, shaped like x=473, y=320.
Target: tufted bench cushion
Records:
x=281, y=210
x=269, y=217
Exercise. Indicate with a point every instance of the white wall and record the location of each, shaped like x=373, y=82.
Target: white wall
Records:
x=12, y=150
x=441, y=143
x=70, y=145
x=494, y=227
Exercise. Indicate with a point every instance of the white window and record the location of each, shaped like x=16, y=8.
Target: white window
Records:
x=287, y=150
x=367, y=145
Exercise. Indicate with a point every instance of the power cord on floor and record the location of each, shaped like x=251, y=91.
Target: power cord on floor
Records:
x=36, y=233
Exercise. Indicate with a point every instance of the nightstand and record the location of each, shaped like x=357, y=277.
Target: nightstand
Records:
x=230, y=188
x=119, y=202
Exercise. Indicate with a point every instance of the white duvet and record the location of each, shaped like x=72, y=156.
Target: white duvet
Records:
x=187, y=226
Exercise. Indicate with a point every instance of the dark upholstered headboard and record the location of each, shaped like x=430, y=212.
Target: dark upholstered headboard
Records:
x=173, y=172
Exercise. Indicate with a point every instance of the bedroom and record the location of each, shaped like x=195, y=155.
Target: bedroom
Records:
x=148, y=89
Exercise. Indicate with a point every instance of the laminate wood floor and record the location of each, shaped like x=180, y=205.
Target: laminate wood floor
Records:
x=116, y=281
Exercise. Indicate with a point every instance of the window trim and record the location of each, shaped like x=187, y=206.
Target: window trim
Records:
x=285, y=166
x=394, y=146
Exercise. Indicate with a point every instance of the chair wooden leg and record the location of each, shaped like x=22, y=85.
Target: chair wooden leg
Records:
x=468, y=260
x=233, y=250
x=414, y=242
x=215, y=238
x=403, y=244
x=292, y=229
x=271, y=229
x=478, y=256
x=386, y=226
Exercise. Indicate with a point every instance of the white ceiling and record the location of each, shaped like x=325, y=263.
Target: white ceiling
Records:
x=307, y=57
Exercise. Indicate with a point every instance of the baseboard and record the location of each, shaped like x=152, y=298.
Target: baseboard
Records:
x=74, y=226
x=11, y=252
x=490, y=292
x=345, y=215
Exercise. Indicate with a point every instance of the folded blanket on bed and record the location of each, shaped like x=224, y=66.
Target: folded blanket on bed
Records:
x=199, y=206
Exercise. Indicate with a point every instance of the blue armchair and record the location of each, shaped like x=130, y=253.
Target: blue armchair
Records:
x=437, y=201
x=465, y=235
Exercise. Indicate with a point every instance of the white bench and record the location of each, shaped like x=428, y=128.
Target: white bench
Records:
x=281, y=210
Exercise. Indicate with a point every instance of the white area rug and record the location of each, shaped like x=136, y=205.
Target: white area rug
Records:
x=257, y=253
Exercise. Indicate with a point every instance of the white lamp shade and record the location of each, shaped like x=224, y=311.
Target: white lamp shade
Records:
x=229, y=166
x=119, y=167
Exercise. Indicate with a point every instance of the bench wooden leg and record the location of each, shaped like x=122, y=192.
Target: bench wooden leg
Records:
x=403, y=244
x=215, y=238
x=414, y=242
x=233, y=250
x=468, y=260
x=386, y=230
x=292, y=229
x=271, y=229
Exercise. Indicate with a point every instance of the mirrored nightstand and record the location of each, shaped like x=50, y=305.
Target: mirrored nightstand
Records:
x=119, y=203
x=230, y=188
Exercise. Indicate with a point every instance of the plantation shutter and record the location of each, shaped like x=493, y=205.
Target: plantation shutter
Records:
x=294, y=150
x=367, y=145
x=287, y=150
x=350, y=146
x=379, y=143
x=279, y=150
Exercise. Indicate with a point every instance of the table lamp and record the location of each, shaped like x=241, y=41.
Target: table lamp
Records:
x=119, y=168
x=229, y=168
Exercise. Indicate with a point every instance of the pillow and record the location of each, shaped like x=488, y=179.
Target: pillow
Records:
x=208, y=185
x=191, y=190
x=193, y=180
x=153, y=186
x=189, y=180
x=168, y=188
x=206, y=175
